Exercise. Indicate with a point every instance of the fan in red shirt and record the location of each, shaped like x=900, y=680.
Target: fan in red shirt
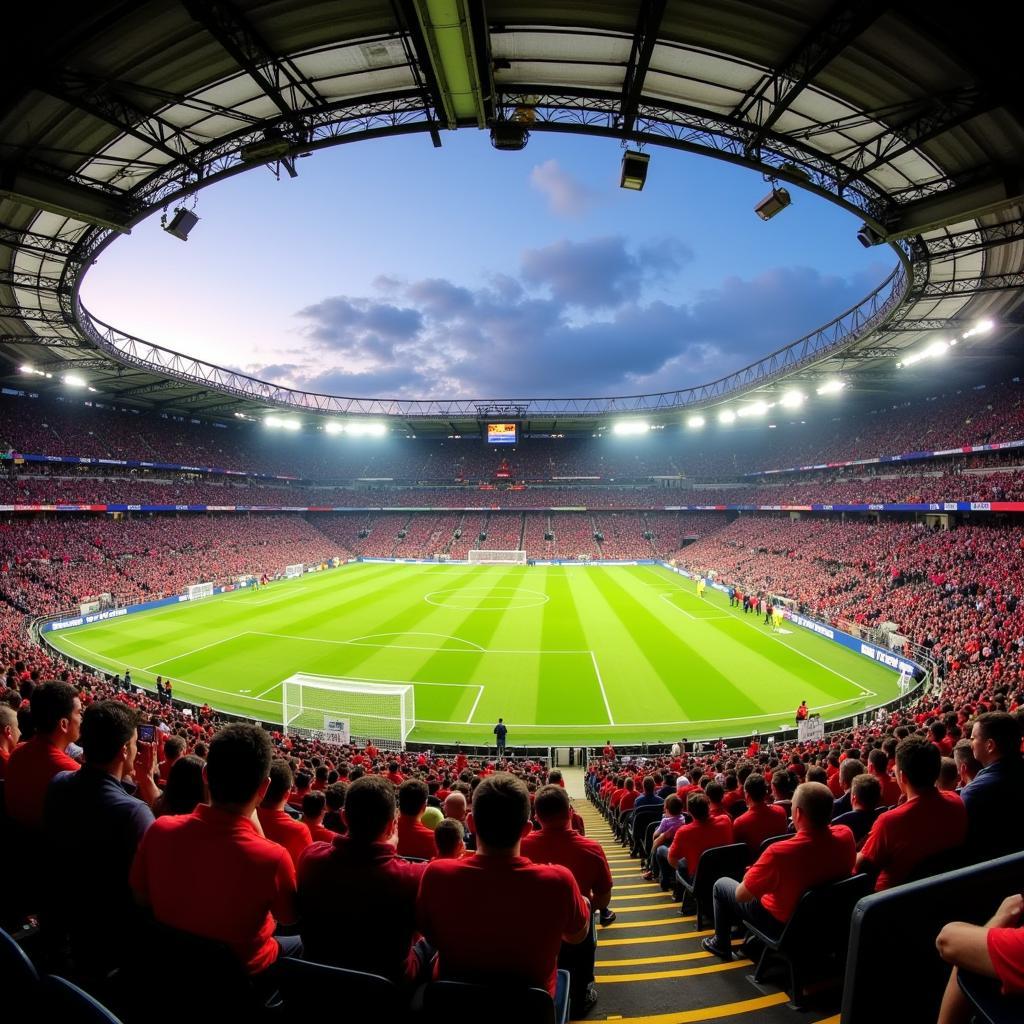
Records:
x=929, y=823
x=704, y=832
x=57, y=719
x=542, y=903
x=394, y=776
x=761, y=819
x=10, y=734
x=414, y=838
x=211, y=873
x=773, y=885
x=995, y=950
x=277, y=824
x=558, y=843
x=878, y=765
x=314, y=807
x=359, y=877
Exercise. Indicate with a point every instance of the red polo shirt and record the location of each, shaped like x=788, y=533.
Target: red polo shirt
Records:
x=691, y=840
x=357, y=907
x=415, y=839
x=283, y=829
x=583, y=857
x=906, y=835
x=1006, y=951
x=212, y=874
x=891, y=791
x=787, y=869
x=758, y=824
x=538, y=905
x=29, y=771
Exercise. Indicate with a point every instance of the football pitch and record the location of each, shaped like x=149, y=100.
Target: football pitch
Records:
x=565, y=654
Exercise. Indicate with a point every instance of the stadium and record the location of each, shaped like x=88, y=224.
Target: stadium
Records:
x=689, y=689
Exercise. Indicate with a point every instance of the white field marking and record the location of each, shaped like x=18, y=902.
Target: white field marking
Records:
x=273, y=598
x=355, y=641
x=600, y=683
x=489, y=593
x=195, y=650
x=472, y=710
x=639, y=725
x=770, y=636
x=269, y=689
x=696, y=618
x=105, y=659
x=402, y=647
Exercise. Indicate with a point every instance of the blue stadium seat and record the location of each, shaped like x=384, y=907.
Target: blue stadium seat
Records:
x=62, y=1001
x=988, y=1004
x=20, y=978
x=900, y=925
x=448, y=1001
x=719, y=862
x=303, y=985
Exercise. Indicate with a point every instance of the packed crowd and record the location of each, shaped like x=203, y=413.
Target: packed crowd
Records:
x=980, y=415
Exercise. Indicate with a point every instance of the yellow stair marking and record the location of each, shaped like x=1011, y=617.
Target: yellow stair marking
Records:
x=639, y=961
x=706, y=1013
x=655, y=938
x=619, y=925
x=685, y=972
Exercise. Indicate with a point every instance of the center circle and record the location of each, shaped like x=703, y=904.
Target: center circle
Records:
x=486, y=599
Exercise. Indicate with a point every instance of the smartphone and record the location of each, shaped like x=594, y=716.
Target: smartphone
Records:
x=147, y=733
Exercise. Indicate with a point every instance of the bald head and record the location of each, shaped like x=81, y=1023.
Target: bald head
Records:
x=455, y=806
x=9, y=732
x=814, y=802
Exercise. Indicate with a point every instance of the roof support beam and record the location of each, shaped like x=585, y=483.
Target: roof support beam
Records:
x=149, y=389
x=41, y=340
x=41, y=245
x=973, y=285
x=100, y=98
x=279, y=78
x=480, y=37
x=982, y=195
x=89, y=205
x=987, y=236
x=645, y=35
x=774, y=94
x=935, y=116
x=443, y=45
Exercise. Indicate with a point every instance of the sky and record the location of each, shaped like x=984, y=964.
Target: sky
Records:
x=392, y=269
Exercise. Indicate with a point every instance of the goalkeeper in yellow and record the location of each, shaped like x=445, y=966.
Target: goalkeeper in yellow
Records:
x=701, y=585
x=777, y=618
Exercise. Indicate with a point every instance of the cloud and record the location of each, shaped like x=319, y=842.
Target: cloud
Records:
x=601, y=273
x=575, y=321
x=566, y=195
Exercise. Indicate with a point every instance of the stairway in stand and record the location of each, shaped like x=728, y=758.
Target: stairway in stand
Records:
x=650, y=966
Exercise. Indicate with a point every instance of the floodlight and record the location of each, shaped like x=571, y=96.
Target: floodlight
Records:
x=27, y=368
x=279, y=423
x=630, y=427
x=727, y=416
x=981, y=327
x=696, y=422
x=868, y=236
x=792, y=399
x=509, y=136
x=333, y=428
x=357, y=429
x=74, y=381
x=273, y=146
x=754, y=409
x=634, y=169
x=775, y=202
x=181, y=223
x=831, y=387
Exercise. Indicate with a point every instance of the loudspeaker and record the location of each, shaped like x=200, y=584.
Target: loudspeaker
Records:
x=181, y=224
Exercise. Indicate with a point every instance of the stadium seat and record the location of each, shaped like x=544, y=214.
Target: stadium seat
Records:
x=447, y=1001
x=718, y=862
x=20, y=977
x=638, y=826
x=647, y=841
x=903, y=922
x=61, y=1000
x=765, y=843
x=939, y=864
x=815, y=936
x=303, y=985
x=988, y=1004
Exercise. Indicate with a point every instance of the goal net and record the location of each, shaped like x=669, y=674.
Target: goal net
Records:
x=325, y=707
x=482, y=557
x=291, y=572
x=199, y=590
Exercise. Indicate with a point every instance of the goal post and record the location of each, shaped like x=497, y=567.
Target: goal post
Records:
x=479, y=556
x=198, y=590
x=292, y=572
x=324, y=707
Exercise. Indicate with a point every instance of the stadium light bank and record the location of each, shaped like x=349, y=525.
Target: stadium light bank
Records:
x=280, y=423
x=630, y=428
x=939, y=347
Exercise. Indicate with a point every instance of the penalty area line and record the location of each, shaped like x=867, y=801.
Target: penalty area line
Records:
x=472, y=710
x=600, y=683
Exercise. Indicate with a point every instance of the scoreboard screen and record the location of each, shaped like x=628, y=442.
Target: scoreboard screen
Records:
x=501, y=433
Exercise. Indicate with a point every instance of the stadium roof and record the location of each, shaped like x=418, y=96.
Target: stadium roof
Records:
x=908, y=114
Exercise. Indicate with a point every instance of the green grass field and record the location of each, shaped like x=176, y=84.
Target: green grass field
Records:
x=566, y=654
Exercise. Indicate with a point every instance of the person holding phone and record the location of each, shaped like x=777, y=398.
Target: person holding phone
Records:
x=96, y=817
